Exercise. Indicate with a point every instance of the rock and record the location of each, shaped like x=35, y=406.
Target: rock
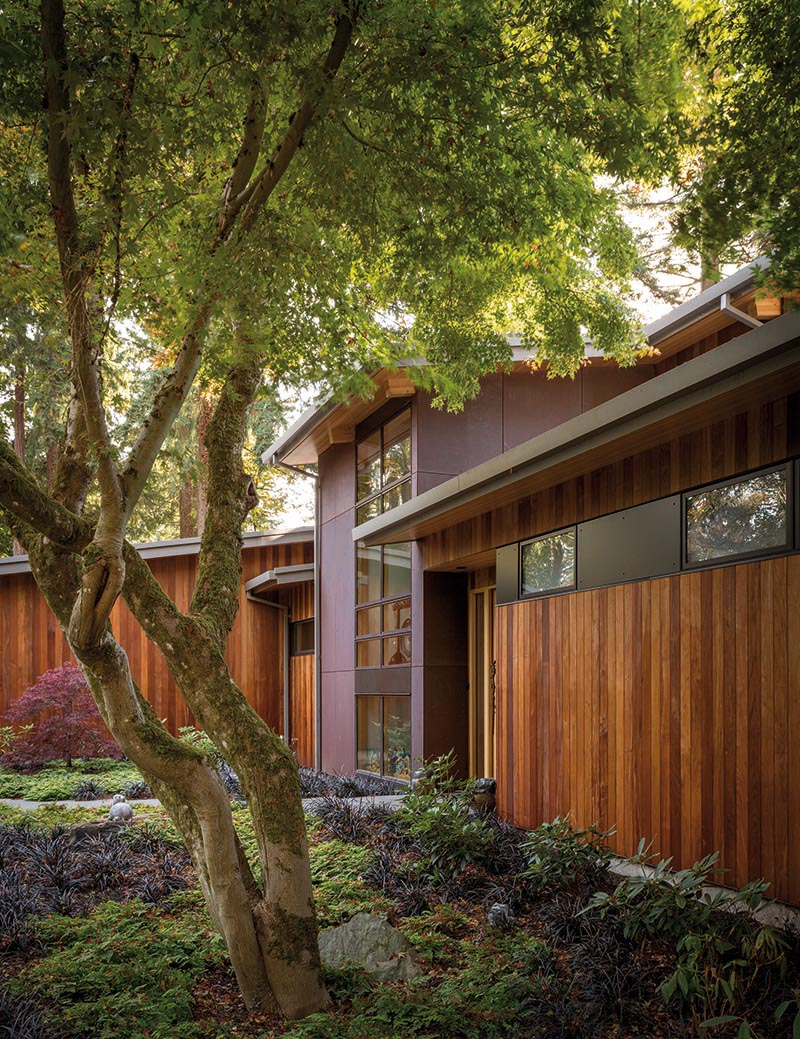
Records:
x=120, y=811
x=373, y=943
x=500, y=917
x=85, y=831
x=484, y=794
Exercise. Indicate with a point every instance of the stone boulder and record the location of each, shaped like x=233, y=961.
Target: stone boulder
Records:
x=373, y=943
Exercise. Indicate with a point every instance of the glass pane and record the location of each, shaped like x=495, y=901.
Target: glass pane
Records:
x=368, y=653
x=368, y=622
x=397, y=736
x=397, y=649
x=397, y=615
x=369, y=736
x=368, y=510
x=746, y=516
x=548, y=563
x=397, y=447
x=396, y=496
x=368, y=466
x=396, y=569
x=368, y=574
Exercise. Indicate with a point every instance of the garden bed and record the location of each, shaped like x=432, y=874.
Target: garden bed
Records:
x=113, y=939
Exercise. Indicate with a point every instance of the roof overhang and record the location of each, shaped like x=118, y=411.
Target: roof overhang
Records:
x=729, y=302
x=757, y=366
x=186, y=547
x=271, y=581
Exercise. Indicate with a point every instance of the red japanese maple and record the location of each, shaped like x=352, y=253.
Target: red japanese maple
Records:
x=66, y=722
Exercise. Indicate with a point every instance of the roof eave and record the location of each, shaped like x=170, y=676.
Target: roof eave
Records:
x=748, y=358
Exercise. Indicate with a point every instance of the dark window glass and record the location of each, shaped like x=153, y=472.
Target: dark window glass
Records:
x=368, y=510
x=397, y=650
x=368, y=574
x=368, y=653
x=383, y=461
x=368, y=622
x=548, y=563
x=369, y=751
x=368, y=466
x=397, y=615
x=301, y=637
x=396, y=569
x=746, y=516
x=397, y=737
x=383, y=740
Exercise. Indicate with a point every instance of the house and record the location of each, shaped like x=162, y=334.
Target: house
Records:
x=269, y=650
x=588, y=588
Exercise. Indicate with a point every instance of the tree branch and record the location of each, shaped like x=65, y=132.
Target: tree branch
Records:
x=230, y=496
x=247, y=156
x=252, y=199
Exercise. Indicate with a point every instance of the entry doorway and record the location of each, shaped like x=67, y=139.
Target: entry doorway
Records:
x=481, y=681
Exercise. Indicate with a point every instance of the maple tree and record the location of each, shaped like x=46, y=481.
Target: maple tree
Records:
x=60, y=722
x=296, y=192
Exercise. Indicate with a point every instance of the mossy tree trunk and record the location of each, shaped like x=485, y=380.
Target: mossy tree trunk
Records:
x=83, y=567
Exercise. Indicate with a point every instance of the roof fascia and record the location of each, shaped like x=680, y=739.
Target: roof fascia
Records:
x=746, y=359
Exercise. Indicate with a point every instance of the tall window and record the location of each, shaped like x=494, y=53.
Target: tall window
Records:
x=383, y=743
x=383, y=598
x=383, y=467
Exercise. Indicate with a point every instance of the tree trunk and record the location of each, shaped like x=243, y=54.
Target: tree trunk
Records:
x=19, y=430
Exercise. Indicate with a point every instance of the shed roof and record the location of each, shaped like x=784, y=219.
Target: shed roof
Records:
x=759, y=365
x=185, y=546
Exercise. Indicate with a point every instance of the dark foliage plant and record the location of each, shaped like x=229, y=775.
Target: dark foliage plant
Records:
x=20, y=1018
x=44, y=872
x=65, y=722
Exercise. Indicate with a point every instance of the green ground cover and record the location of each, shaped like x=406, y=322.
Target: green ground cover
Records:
x=55, y=782
x=584, y=957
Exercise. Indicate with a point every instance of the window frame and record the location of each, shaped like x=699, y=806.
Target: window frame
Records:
x=382, y=774
x=790, y=541
x=381, y=603
x=557, y=589
x=293, y=629
x=384, y=488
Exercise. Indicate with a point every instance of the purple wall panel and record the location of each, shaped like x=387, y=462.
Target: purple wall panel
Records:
x=601, y=384
x=338, y=723
x=337, y=480
x=450, y=443
x=337, y=620
x=532, y=403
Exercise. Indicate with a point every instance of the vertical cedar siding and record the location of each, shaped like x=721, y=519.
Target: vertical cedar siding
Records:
x=667, y=708
x=31, y=641
x=301, y=681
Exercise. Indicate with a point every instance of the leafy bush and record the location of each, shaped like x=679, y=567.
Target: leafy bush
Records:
x=499, y=992
x=437, y=814
x=340, y=891
x=66, y=722
x=559, y=856
x=722, y=952
x=88, y=790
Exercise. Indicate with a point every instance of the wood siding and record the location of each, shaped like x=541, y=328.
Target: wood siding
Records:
x=301, y=682
x=31, y=641
x=669, y=709
x=765, y=434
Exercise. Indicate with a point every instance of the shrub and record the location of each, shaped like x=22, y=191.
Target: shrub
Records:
x=438, y=815
x=723, y=953
x=559, y=856
x=66, y=722
x=125, y=972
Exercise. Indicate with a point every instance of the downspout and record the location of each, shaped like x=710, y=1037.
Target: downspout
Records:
x=275, y=461
x=285, y=611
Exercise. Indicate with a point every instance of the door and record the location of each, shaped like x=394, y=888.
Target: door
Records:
x=481, y=682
